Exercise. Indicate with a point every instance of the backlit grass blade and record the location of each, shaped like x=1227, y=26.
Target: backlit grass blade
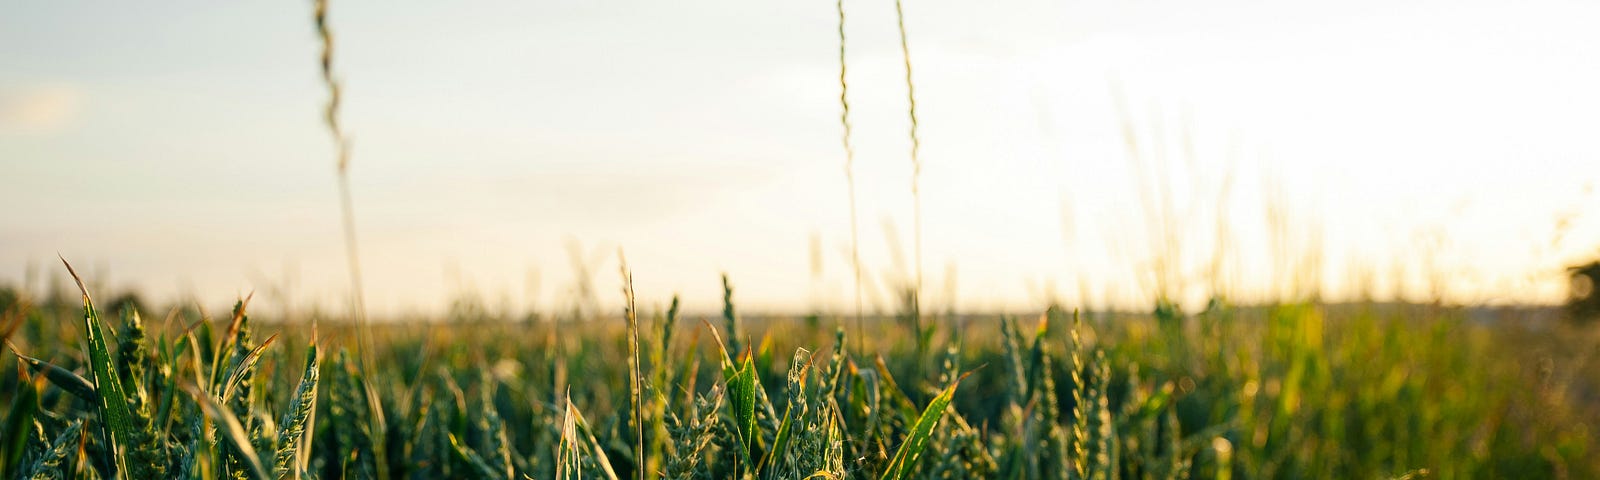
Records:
x=241, y=368
x=900, y=467
x=569, y=458
x=15, y=427
x=465, y=454
x=9, y=323
x=169, y=355
x=636, y=377
x=233, y=433
x=742, y=393
x=238, y=331
x=61, y=377
x=600, y=457
x=116, y=418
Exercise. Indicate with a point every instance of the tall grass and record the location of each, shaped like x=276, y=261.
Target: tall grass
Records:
x=1290, y=391
x=849, y=169
x=1296, y=389
x=375, y=419
x=635, y=378
x=916, y=166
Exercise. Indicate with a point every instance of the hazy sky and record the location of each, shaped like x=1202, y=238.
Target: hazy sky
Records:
x=177, y=146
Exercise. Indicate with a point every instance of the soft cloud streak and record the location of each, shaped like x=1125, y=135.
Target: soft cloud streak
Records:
x=39, y=109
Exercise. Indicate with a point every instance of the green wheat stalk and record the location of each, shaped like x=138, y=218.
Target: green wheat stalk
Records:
x=635, y=377
x=1080, y=395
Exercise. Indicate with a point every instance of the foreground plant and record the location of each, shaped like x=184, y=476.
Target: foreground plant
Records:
x=1286, y=393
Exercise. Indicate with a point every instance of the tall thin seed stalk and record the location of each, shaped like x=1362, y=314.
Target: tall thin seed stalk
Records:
x=636, y=378
x=342, y=164
x=347, y=210
x=1080, y=421
x=916, y=169
x=850, y=178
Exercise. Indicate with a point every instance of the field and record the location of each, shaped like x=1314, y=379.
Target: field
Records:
x=1280, y=391
x=106, y=387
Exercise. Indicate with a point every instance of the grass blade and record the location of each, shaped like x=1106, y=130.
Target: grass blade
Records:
x=116, y=418
x=742, y=391
x=569, y=457
x=242, y=367
x=233, y=432
x=595, y=448
x=636, y=377
x=17, y=421
x=900, y=467
x=61, y=377
x=465, y=454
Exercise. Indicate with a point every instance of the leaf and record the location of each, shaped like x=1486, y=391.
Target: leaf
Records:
x=223, y=361
x=906, y=456
x=241, y=369
x=116, y=418
x=61, y=377
x=170, y=356
x=569, y=458
x=742, y=391
x=233, y=432
x=466, y=454
x=594, y=445
x=17, y=421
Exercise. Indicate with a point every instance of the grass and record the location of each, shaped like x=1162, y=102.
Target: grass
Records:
x=849, y=167
x=1282, y=391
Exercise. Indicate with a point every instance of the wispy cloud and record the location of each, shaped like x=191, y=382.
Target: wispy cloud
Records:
x=39, y=109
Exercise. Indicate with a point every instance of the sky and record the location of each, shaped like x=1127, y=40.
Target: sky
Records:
x=1401, y=150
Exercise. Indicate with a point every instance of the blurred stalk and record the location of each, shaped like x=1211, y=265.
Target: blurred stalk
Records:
x=342, y=144
x=916, y=175
x=850, y=179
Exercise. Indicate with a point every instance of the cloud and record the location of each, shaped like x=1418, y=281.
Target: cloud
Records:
x=38, y=109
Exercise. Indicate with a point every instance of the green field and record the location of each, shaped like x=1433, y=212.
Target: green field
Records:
x=1279, y=391
x=1266, y=390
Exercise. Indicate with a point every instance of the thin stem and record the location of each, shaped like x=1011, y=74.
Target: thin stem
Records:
x=850, y=179
x=636, y=380
x=916, y=168
x=347, y=213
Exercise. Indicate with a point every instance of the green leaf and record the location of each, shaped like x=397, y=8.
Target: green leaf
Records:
x=742, y=391
x=232, y=432
x=169, y=356
x=906, y=456
x=242, y=367
x=472, y=458
x=61, y=377
x=116, y=418
x=16, y=424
